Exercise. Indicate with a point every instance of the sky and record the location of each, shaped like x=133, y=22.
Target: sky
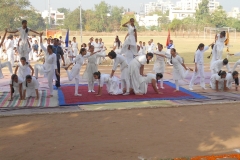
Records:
x=133, y=5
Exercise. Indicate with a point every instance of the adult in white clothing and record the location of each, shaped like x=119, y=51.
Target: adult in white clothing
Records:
x=169, y=47
x=199, y=66
x=121, y=60
x=49, y=68
x=218, y=81
x=136, y=68
x=130, y=42
x=217, y=66
x=112, y=83
x=15, y=87
x=30, y=88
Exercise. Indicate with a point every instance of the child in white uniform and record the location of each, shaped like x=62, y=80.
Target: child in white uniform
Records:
x=121, y=60
x=178, y=68
x=49, y=68
x=30, y=88
x=4, y=64
x=150, y=79
x=159, y=65
x=217, y=66
x=75, y=72
x=112, y=84
x=117, y=46
x=232, y=78
x=218, y=81
x=136, y=68
x=10, y=52
x=15, y=86
x=24, y=30
x=75, y=47
x=131, y=38
x=91, y=68
x=199, y=66
x=23, y=69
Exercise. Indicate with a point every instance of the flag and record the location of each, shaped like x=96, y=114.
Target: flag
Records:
x=168, y=38
x=227, y=41
x=67, y=38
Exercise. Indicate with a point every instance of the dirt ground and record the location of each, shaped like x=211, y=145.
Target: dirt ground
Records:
x=122, y=135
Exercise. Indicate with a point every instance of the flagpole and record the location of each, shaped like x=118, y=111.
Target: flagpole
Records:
x=80, y=7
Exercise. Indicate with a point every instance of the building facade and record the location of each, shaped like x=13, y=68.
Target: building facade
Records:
x=235, y=13
x=55, y=16
x=193, y=5
x=160, y=5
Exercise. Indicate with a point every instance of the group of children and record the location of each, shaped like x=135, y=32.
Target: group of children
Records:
x=129, y=56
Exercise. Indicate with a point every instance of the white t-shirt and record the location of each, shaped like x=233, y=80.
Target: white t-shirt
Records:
x=23, y=34
x=32, y=85
x=16, y=84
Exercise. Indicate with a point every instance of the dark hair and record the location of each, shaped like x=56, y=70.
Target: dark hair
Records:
x=223, y=33
x=200, y=46
x=221, y=73
x=159, y=75
x=83, y=45
x=149, y=54
x=50, y=47
x=118, y=41
x=12, y=78
x=23, y=59
x=24, y=21
x=97, y=74
x=112, y=54
x=28, y=77
x=134, y=25
x=160, y=45
x=225, y=61
x=237, y=79
x=82, y=50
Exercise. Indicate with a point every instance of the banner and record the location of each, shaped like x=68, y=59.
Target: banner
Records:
x=53, y=33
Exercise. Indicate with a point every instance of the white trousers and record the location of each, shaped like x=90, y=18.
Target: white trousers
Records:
x=70, y=77
x=235, y=66
x=200, y=73
x=3, y=65
x=10, y=57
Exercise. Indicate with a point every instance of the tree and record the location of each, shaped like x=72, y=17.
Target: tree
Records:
x=157, y=12
x=163, y=22
x=126, y=18
x=202, y=12
x=176, y=25
x=219, y=17
x=35, y=20
x=11, y=13
x=72, y=20
x=64, y=10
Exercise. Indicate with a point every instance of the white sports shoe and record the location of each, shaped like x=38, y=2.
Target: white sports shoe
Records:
x=191, y=89
x=127, y=93
x=93, y=91
x=89, y=91
x=204, y=88
x=79, y=95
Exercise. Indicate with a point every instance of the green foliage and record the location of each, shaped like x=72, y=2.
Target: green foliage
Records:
x=35, y=20
x=157, y=12
x=202, y=13
x=176, y=25
x=219, y=17
x=11, y=12
x=64, y=10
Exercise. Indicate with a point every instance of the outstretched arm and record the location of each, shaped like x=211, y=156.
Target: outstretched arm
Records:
x=34, y=31
x=4, y=36
x=12, y=31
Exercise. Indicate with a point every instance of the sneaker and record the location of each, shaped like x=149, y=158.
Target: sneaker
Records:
x=191, y=89
x=89, y=91
x=127, y=93
x=78, y=95
x=162, y=88
x=93, y=91
x=204, y=88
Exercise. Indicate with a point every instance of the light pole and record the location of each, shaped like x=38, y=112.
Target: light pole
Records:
x=49, y=14
x=80, y=7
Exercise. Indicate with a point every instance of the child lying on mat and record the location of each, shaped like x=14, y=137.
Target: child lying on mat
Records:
x=112, y=84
